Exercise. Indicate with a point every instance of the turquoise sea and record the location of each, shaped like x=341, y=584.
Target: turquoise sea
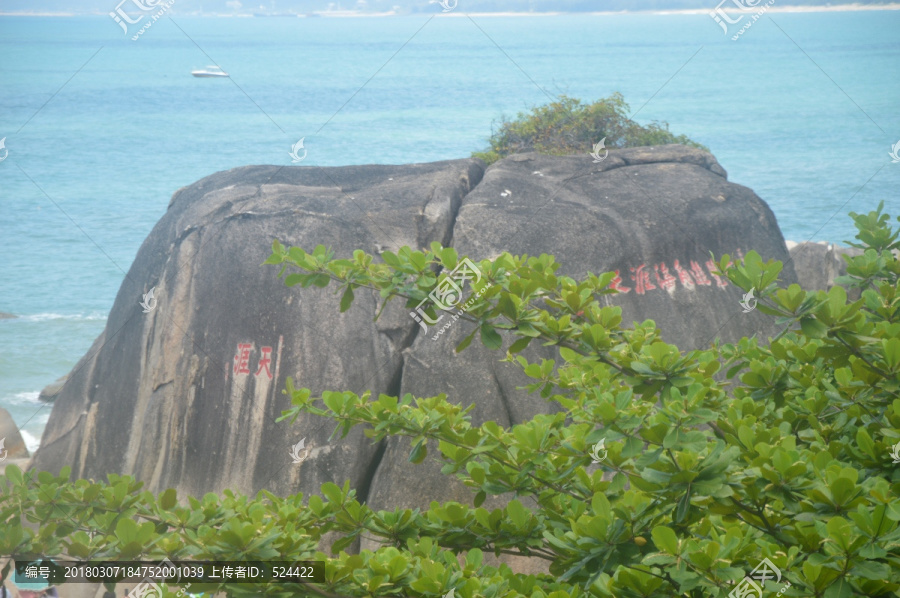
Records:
x=101, y=130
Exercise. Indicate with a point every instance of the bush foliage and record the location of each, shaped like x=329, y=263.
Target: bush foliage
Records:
x=716, y=458
x=567, y=126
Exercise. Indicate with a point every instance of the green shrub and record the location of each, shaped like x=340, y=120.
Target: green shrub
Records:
x=715, y=459
x=567, y=126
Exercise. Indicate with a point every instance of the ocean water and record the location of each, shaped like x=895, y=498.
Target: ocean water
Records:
x=101, y=130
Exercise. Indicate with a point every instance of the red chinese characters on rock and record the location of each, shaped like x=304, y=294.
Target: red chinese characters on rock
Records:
x=699, y=276
x=663, y=278
x=242, y=360
x=684, y=276
x=712, y=267
x=264, y=361
x=617, y=284
x=641, y=278
x=690, y=276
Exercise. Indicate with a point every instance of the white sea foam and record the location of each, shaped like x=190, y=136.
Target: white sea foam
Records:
x=27, y=410
x=31, y=443
x=23, y=398
x=94, y=316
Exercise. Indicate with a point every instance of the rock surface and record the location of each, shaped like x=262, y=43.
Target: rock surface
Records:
x=13, y=446
x=6, y=316
x=186, y=395
x=646, y=212
x=48, y=394
x=818, y=264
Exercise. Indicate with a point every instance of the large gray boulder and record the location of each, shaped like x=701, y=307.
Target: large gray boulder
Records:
x=12, y=445
x=818, y=264
x=645, y=210
x=48, y=394
x=186, y=395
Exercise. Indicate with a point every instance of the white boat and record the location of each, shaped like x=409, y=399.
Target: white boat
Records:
x=210, y=71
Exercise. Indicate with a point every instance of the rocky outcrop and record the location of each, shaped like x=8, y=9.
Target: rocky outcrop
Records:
x=186, y=395
x=651, y=214
x=48, y=394
x=6, y=316
x=818, y=264
x=12, y=446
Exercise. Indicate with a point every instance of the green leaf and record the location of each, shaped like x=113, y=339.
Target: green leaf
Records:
x=342, y=543
x=665, y=539
x=871, y=570
x=417, y=259
x=865, y=442
x=655, y=476
x=391, y=259
x=642, y=368
x=519, y=345
x=517, y=514
x=168, y=499
x=78, y=549
x=634, y=447
x=813, y=328
x=891, y=352
x=449, y=258
x=295, y=279
x=126, y=531
x=419, y=452
x=332, y=492
x=466, y=341
x=14, y=474
x=490, y=338
x=347, y=299
x=569, y=355
x=320, y=280
x=839, y=589
x=683, y=507
x=839, y=531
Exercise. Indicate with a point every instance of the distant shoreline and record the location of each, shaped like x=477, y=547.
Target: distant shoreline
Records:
x=776, y=8
x=355, y=14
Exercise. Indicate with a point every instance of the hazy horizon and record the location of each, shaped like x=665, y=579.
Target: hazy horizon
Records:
x=302, y=7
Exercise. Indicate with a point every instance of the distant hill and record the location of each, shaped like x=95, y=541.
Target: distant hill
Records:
x=270, y=7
